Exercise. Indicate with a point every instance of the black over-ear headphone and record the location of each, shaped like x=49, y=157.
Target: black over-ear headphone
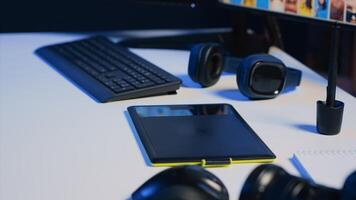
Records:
x=264, y=183
x=259, y=76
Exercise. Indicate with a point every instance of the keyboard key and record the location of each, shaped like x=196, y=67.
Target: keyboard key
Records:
x=158, y=80
x=122, y=89
x=142, y=85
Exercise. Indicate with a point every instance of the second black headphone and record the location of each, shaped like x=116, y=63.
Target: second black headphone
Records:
x=259, y=76
x=264, y=183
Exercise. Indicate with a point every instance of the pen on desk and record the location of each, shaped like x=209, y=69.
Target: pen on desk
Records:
x=301, y=169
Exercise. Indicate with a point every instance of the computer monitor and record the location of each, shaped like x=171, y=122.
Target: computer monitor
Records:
x=312, y=11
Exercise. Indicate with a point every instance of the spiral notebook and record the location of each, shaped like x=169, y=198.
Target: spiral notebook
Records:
x=329, y=166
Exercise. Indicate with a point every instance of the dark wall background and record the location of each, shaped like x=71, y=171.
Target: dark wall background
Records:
x=90, y=15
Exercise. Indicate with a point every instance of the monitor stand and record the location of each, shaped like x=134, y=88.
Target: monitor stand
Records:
x=238, y=41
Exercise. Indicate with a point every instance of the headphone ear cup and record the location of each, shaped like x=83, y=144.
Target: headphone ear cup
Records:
x=246, y=70
x=206, y=63
x=277, y=177
x=193, y=67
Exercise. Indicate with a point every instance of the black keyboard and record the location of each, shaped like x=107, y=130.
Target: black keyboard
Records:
x=107, y=71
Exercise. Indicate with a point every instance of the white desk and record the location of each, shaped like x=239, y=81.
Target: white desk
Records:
x=57, y=143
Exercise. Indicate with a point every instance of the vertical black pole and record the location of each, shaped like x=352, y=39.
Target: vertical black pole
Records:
x=334, y=56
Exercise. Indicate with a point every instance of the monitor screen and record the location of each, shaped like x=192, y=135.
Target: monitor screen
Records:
x=343, y=11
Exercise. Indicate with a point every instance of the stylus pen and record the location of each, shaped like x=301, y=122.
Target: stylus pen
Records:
x=331, y=88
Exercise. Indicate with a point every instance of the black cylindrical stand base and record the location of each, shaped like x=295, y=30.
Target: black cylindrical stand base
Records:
x=329, y=118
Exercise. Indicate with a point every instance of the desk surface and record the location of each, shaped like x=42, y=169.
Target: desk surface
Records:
x=58, y=143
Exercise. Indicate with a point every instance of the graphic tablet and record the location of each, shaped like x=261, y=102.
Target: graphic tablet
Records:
x=207, y=135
